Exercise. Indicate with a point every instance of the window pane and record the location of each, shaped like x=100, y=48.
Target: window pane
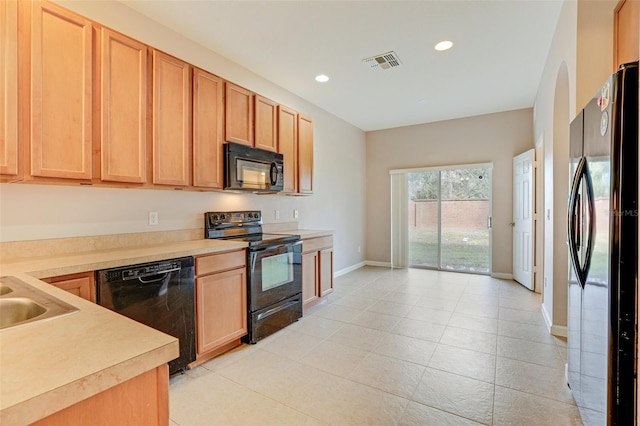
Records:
x=423, y=220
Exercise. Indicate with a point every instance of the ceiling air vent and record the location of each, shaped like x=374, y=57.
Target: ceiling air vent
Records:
x=384, y=61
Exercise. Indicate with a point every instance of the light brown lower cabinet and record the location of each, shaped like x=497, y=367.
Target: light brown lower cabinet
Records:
x=142, y=400
x=317, y=269
x=221, y=302
x=81, y=284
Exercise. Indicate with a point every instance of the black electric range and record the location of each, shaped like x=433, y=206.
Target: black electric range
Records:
x=274, y=270
x=244, y=226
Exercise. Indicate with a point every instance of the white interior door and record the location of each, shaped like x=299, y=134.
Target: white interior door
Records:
x=523, y=223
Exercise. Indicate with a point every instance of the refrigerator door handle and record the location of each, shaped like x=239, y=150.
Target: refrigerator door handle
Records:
x=591, y=225
x=575, y=222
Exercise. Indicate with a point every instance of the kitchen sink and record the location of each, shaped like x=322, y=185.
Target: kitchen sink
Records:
x=21, y=303
x=15, y=310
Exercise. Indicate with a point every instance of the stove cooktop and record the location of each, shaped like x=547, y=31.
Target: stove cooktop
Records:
x=243, y=226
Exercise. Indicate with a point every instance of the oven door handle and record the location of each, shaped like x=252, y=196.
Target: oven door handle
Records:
x=279, y=247
x=278, y=309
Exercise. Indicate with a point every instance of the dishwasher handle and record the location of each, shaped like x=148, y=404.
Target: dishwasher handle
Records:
x=134, y=274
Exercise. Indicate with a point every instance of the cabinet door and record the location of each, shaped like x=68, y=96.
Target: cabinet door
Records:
x=208, y=110
x=171, y=120
x=81, y=285
x=61, y=93
x=288, y=146
x=238, y=121
x=9, y=88
x=221, y=308
x=124, y=109
x=265, y=135
x=309, y=277
x=305, y=154
x=326, y=271
x=626, y=32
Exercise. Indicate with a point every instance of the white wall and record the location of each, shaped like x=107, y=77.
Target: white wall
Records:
x=494, y=138
x=561, y=61
x=580, y=59
x=30, y=211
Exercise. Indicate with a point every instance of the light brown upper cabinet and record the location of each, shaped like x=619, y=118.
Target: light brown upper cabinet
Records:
x=208, y=112
x=288, y=146
x=123, y=108
x=266, y=136
x=61, y=93
x=171, y=120
x=305, y=154
x=238, y=123
x=626, y=32
x=9, y=89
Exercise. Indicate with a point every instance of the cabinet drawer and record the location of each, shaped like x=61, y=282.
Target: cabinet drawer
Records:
x=220, y=262
x=314, y=244
x=81, y=285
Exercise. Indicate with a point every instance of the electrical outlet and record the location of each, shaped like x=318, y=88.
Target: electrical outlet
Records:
x=358, y=249
x=153, y=218
x=295, y=213
x=277, y=214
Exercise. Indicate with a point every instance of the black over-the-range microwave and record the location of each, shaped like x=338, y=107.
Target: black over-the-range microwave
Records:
x=252, y=169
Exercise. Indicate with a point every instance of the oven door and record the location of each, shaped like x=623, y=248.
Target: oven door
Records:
x=275, y=273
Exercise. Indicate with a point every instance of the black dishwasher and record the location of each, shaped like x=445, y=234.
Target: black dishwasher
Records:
x=158, y=294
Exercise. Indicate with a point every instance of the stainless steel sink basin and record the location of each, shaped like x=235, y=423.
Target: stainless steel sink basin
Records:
x=18, y=309
x=21, y=303
x=5, y=289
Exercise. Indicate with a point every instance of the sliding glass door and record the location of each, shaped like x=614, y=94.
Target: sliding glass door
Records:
x=449, y=219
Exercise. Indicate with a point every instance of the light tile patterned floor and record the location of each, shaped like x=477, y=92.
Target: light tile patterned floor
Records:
x=392, y=347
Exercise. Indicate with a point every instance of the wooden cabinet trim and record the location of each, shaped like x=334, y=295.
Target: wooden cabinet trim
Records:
x=288, y=146
x=326, y=271
x=221, y=309
x=81, y=284
x=61, y=112
x=208, y=115
x=33, y=154
x=238, y=114
x=266, y=124
x=305, y=154
x=123, y=108
x=310, y=275
x=171, y=120
x=9, y=88
x=143, y=399
x=626, y=39
x=218, y=262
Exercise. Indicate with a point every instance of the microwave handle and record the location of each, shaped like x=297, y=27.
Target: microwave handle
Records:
x=273, y=174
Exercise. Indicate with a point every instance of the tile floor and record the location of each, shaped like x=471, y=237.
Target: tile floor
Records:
x=405, y=347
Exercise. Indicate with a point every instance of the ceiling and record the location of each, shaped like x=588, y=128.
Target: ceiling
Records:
x=495, y=64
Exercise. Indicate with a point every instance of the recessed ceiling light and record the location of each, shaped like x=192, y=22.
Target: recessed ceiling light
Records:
x=443, y=45
x=322, y=78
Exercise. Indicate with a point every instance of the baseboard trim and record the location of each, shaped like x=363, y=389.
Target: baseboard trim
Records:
x=546, y=318
x=374, y=263
x=556, y=330
x=502, y=275
x=349, y=269
x=559, y=330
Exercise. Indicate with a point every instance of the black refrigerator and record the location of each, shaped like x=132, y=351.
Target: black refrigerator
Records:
x=603, y=252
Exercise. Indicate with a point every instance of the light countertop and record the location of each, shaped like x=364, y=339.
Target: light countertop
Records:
x=48, y=365
x=306, y=233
